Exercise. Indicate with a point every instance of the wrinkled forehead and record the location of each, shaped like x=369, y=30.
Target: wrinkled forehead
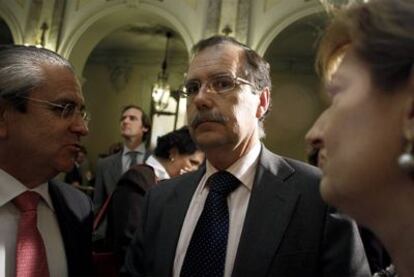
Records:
x=217, y=59
x=58, y=81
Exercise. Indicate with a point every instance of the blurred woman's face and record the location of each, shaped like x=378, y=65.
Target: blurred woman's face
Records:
x=183, y=163
x=359, y=137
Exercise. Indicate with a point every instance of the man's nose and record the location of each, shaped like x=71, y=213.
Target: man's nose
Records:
x=80, y=126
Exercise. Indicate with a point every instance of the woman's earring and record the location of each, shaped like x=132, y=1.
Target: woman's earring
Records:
x=406, y=159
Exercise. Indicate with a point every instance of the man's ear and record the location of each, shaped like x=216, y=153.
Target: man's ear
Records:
x=3, y=121
x=264, y=102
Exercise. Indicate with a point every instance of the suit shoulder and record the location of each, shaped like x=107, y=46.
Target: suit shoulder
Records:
x=304, y=168
x=108, y=159
x=295, y=174
x=187, y=180
x=70, y=196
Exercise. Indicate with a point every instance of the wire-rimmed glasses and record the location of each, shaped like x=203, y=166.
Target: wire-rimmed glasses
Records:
x=219, y=84
x=66, y=111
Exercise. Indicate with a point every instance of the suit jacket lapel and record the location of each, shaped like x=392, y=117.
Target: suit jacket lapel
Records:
x=66, y=227
x=173, y=218
x=270, y=209
x=116, y=168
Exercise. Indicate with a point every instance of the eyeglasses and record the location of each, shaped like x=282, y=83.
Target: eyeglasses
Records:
x=218, y=84
x=65, y=111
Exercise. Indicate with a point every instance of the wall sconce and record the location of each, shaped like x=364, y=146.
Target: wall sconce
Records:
x=161, y=89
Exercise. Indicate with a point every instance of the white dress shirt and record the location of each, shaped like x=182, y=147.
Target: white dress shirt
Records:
x=46, y=222
x=243, y=169
x=159, y=170
x=126, y=158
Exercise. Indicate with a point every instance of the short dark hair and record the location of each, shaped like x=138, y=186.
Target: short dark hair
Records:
x=146, y=121
x=380, y=33
x=255, y=68
x=179, y=139
x=21, y=71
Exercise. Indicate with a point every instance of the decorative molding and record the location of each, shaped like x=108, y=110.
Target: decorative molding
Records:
x=243, y=20
x=268, y=4
x=119, y=76
x=213, y=18
x=33, y=25
x=228, y=16
x=133, y=3
x=191, y=3
x=134, y=57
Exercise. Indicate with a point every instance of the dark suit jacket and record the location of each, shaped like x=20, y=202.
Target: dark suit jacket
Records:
x=288, y=230
x=75, y=218
x=124, y=211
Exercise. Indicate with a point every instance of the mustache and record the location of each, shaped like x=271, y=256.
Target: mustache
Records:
x=208, y=116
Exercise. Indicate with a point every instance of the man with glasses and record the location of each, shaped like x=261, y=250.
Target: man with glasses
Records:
x=248, y=212
x=46, y=225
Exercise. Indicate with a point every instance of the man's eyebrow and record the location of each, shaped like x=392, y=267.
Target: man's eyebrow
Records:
x=71, y=101
x=213, y=75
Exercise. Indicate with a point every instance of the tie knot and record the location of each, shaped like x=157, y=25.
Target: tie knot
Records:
x=223, y=182
x=27, y=201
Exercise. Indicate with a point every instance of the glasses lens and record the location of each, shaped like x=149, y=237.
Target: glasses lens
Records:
x=223, y=84
x=191, y=87
x=68, y=111
x=85, y=116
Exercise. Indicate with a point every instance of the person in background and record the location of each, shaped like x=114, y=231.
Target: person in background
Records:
x=175, y=154
x=135, y=127
x=248, y=211
x=80, y=176
x=366, y=137
x=46, y=225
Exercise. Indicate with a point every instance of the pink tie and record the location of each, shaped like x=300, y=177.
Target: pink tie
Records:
x=31, y=258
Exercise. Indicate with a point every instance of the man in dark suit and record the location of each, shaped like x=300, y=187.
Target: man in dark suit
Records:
x=42, y=119
x=274, y=223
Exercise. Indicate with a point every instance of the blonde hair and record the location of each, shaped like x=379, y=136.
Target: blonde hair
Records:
x=380, y=33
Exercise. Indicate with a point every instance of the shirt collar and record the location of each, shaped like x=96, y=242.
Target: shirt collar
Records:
x=159, y=170
x=10, y=188
x=139, y=149
x=243, y=169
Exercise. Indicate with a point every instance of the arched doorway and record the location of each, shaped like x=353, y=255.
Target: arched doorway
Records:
x=296, y=87
x=121, y=70
x=6, y=36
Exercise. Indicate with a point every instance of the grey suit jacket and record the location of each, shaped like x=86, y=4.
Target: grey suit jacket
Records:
x=288, y=230
x=108, y=172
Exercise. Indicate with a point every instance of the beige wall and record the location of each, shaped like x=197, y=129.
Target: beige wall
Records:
x=295, y=106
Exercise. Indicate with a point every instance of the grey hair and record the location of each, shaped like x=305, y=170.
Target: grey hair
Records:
x=21, y=70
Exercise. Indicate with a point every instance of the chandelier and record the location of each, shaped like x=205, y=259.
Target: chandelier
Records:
x=161, y=89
